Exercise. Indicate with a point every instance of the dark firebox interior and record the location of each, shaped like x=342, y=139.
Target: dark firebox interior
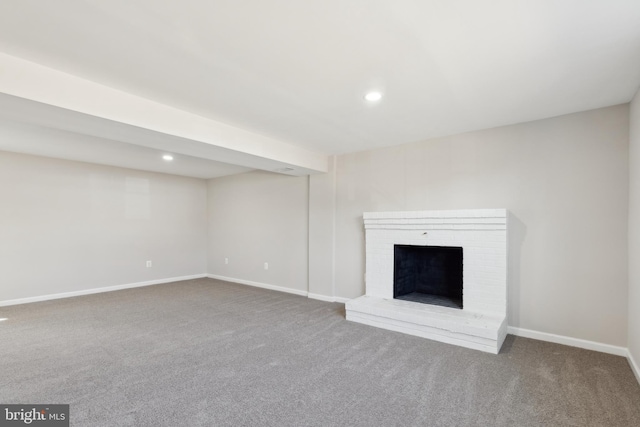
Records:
x=428, y=274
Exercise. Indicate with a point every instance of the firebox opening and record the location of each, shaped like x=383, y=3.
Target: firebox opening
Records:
x=428, y=274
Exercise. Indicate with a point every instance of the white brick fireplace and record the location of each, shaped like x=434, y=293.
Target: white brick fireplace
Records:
x=482, y=235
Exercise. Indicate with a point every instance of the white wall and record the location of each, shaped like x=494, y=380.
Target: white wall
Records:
x=260, y=217
x=564, y=179
x=69, y=226
x=634, y=233
x=322, y=218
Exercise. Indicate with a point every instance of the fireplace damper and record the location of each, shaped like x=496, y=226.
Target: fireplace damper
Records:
x=428, y=275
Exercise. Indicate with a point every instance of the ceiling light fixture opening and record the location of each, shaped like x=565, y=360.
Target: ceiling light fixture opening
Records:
x=373, y=96
x=284, y=170
x=167, y=157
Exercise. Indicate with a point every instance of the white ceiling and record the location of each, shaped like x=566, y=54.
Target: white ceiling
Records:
x=296, y=71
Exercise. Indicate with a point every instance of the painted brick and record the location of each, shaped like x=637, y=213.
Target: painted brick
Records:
x=481, y=233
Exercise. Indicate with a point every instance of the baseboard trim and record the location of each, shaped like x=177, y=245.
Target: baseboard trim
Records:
x=573, y=342
x=97, y=290
x=259, y=285
x=634, y=366
x=328, y=298
x=320, y=297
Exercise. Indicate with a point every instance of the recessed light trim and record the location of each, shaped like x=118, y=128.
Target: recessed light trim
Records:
x=373, y=96
x=167, y=158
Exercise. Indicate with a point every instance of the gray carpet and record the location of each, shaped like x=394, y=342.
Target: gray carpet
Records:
x=210, y=353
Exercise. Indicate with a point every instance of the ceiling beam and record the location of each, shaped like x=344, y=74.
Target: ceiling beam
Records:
x=48, y=97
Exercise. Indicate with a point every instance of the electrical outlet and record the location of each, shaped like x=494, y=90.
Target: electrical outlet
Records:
x=226, y=260
x=149, y=264
x=266, y=265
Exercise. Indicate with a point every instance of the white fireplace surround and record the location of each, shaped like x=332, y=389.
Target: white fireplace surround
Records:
x=482, y=234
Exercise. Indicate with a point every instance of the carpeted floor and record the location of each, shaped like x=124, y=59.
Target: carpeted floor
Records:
x=210, y=353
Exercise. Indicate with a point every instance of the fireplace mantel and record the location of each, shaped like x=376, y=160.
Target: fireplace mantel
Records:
x=482, y=234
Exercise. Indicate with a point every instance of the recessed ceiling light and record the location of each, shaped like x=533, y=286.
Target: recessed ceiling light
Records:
x=167, y=157
x=373, y=96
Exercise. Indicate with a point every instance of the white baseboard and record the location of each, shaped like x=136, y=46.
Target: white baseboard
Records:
x=321, y=297
x=259, y=285
x=168, y=280
x=279, y=289
x=328, y=298
x=97, y=290
x=634, y=366
x=573, y=342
